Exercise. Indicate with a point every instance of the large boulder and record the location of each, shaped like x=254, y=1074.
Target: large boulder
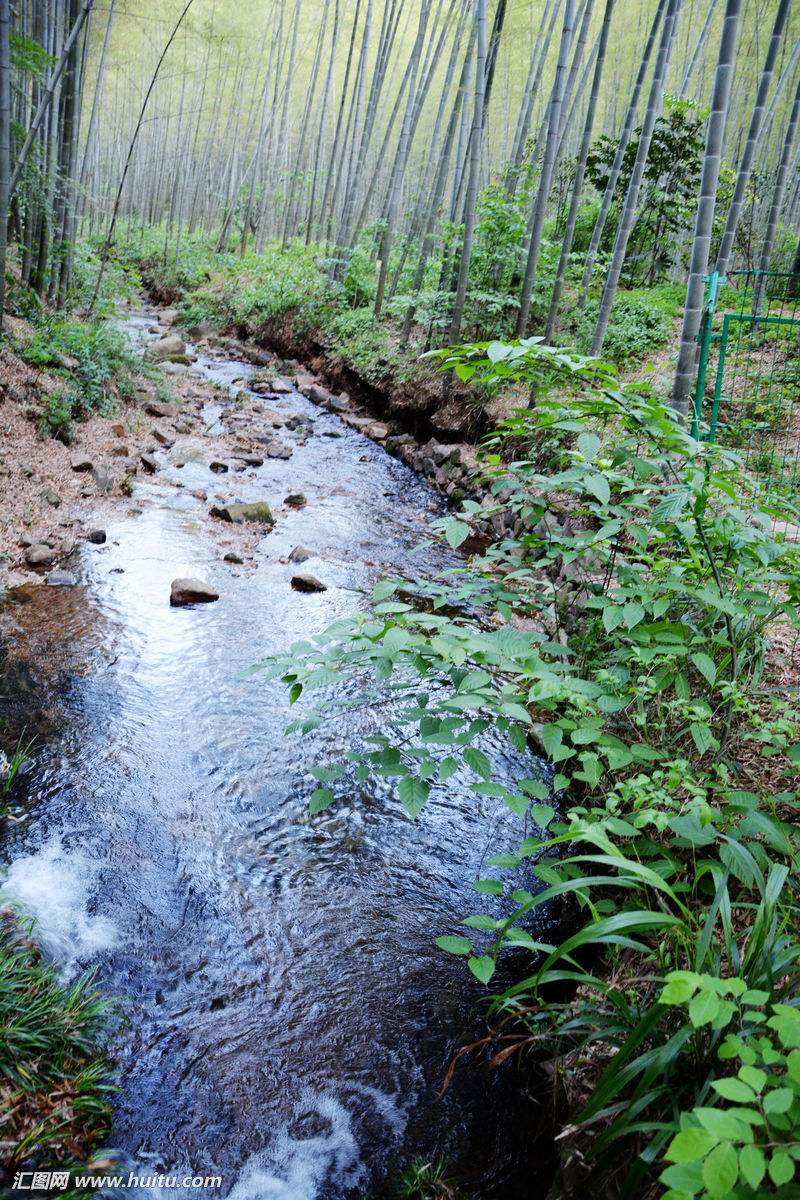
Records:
x=166, y=348
x=256, y=513
x=191, y=591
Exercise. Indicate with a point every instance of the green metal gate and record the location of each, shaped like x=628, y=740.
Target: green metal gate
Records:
x=749, y=368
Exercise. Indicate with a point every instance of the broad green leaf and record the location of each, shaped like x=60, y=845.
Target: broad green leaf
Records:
x=482, y=968
x=690, y=1144
x=781, y=1168
x=454, y=944
x=754, y=1077
x=686, y=1178
x=632, y=614
x=721, y=1170
x=752, y=1165
x=478, y=762
x=702, y=737
x=321, y=799
x=705, y=665
x=612, y=617
x=734, y=1089
x=778, y=1101
x=383, y=589
x=413, y=793
x=703, y=1008
x=680, y=987
x=723, y=1126
x=456, y=532
x=599, y=487
x=488, y=887
x=588, y=444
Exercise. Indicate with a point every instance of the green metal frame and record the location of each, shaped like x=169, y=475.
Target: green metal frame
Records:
x=728, y=320
x=707, y=337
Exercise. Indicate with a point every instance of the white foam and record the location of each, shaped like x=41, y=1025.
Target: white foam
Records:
x=54, y=886
x=294, y=1168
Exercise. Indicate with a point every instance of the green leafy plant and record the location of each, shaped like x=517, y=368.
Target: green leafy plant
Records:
x=620, y=625
x=20, y=754
x=56, y=418
x=747, y=1135
x=427, y=1180
x=56, y=1087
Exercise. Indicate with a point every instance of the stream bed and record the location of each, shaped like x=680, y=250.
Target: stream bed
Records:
x=288, y=1022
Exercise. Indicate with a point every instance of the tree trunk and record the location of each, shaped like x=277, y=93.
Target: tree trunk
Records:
x=98, y=90
x=47, y=97
x=777, y=200
x=132, y=146
x=628, y=217
x=580, y=170
x=616, y=166
x=699, y=47
x=746, y=163
x=474, y=170
x=400, y=165
x=539, y=208
x=538, y=57
x=704, y=223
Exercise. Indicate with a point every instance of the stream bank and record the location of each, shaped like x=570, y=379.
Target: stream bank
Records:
x=290, y=1022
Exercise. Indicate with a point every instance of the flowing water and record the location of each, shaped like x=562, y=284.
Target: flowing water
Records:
x=288, y=1021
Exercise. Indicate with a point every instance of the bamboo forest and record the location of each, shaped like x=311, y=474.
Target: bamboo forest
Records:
x=400, y=599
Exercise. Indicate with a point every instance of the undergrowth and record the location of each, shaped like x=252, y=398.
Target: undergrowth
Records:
x=55, y=1088
x=623, y=626
x=333, y=297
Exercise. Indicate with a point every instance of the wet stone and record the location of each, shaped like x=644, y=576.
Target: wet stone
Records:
x=61, y=579
x=149, y=463
x=300, y=554
x=167, y=348
x=191, y=591
x=295, y=500
x=308, y=583
x=257, y=513
x=96, y=536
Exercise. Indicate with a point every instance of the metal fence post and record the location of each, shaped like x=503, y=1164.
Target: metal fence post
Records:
x=705, y=338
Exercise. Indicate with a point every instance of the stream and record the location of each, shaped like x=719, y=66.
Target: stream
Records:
x=288, y=1022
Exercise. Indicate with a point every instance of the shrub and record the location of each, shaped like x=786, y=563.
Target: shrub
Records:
x=56, y=418
x=358, y=339
x=94, y=356
x=641, y=323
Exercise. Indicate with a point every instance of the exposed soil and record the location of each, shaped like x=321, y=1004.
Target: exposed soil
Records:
x=56, y=495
